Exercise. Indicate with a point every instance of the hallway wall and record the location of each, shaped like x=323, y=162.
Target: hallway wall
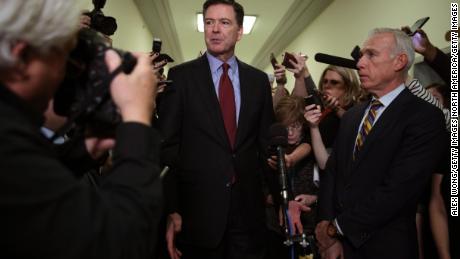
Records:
x=346, y=23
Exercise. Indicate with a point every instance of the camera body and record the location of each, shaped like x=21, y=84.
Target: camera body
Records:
x=99, y=22
x=84, y=95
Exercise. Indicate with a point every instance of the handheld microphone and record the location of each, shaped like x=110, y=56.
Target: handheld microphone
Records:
x=336, y=61
x=278, y=139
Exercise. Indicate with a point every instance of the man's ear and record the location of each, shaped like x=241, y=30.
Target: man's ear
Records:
x=240, y=33
x=19, y=70
x=19, y=50
x=400, y=62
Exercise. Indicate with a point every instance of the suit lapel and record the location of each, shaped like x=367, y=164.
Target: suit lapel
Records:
x=210, y=99
x=388, y=117
x=245, y=96
x=355, y=121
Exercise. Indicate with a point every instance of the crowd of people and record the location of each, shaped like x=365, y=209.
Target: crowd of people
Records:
x=187, y=170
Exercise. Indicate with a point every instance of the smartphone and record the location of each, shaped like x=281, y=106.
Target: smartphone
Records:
x=309, y=100
x=156, y=45
x=417, y=25
x=288, y=56
x=314, y=98
x=273, y=60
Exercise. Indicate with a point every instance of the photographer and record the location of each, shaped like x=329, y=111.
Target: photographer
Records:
x=45, y=211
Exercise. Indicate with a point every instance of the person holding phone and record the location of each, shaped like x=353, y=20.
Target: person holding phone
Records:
x=280, y=79
x=340, y=91
x=215, y=122
x=433, y=56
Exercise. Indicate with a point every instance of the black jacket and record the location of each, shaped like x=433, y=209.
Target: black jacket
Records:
x=47, y=212
x=199, y=153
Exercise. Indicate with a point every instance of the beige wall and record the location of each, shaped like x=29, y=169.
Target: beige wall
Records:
x=345, y=24
x=132, y=33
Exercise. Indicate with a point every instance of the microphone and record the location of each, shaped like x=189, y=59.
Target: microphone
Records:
x=278, y=140
x=336, y=61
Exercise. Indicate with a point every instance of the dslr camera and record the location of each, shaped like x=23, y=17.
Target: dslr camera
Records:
x=84, y=95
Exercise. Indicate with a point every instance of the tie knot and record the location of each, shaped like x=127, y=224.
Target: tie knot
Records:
x=225, y=67
x=376, y=104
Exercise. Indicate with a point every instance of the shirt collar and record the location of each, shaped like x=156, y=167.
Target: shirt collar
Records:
x=215, y=63
x=389, y=97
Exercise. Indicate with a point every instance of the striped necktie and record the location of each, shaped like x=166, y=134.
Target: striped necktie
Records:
x=367, y=125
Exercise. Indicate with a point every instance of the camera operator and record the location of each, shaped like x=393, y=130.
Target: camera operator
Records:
x=45, y=211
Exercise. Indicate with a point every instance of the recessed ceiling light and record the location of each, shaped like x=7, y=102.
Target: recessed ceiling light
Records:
x=248, y=23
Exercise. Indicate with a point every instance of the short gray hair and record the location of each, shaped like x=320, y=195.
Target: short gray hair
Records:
x=42, y=24
x=403, y=44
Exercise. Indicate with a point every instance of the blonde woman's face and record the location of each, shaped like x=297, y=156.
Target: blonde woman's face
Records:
x=333, y=84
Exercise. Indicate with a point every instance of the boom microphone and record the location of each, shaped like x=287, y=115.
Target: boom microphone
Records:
x=278, y=139
x=336, y=61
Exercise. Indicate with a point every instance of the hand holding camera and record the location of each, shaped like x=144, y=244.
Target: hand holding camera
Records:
x=133, y=94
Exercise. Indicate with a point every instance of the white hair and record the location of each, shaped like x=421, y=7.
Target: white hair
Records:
x=41, y=24
x=403, y=44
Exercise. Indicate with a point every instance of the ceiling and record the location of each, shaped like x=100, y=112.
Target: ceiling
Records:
x=278, y=23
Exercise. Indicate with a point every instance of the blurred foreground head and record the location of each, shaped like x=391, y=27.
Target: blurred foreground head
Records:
x=35, y=39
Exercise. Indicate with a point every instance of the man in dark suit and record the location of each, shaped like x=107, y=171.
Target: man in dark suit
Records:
x=383, y=157
x=214, y=143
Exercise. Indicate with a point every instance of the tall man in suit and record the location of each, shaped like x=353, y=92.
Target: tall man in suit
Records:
x=383, y=157
x=214, y=120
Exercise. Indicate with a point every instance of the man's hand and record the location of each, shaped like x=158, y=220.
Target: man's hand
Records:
x=97, y=147
x=134, y=94
x=333, y=252
x=273, y=162
x=85, y=21
x=306, y=199
x=294, y=211
x=324, y=240
x=174, y=226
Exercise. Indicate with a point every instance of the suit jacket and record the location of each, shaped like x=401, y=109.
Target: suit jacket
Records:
x=202, y=162
x=374, y=197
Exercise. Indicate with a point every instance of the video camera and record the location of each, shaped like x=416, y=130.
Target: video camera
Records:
x=99, y=22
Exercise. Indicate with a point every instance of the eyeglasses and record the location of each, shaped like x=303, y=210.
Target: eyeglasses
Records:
x=294, y=126
x=332, y=82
